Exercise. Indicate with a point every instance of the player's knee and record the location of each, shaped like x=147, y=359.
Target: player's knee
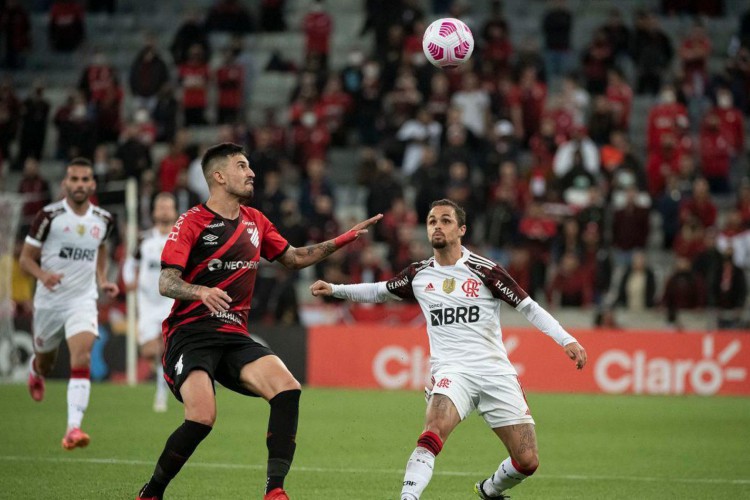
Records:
x=527, y=462
x=80, y=359
x=205, y=416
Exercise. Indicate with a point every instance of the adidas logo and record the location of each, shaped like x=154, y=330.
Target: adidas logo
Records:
x=429, y=288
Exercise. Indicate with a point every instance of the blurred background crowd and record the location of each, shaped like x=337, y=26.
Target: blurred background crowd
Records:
x=599, y=148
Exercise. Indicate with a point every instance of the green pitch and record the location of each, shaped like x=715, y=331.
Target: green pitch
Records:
x=354, y=444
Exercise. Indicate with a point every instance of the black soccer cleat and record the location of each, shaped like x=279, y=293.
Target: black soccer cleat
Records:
x=484, y=496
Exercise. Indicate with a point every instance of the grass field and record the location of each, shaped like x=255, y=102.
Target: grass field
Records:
x=354, y=444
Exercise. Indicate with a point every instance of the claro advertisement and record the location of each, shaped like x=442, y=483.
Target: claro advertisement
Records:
x=632, y=362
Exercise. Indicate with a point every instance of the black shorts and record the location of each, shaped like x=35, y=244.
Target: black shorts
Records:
x=222, y=356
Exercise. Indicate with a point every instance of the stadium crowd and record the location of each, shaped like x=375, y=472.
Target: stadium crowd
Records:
x=535, y=141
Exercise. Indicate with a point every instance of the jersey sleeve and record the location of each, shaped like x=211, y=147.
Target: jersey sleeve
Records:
x=179, y=243
x=400, y=285
x=499, y=282
x=39, y=229
x=272, y=245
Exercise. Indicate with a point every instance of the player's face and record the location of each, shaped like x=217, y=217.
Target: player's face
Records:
x=442, y=227
x=165, y=211
x=239, y=177
x=79, y=183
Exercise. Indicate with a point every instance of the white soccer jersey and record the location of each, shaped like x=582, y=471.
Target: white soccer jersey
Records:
x=148, y=260
x=461, y=304
x=70, y=244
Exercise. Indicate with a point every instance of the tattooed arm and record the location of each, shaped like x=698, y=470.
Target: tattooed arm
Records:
x=298, y=258
x=172, y=285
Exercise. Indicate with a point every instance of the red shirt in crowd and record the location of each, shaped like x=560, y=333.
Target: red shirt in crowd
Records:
x=621, y=99
x=194, y=79
x=715, y=152
x=230, y=80
x=703, y=209
x=169, y=168
x=666, y=119
x=318, y=27
x=732, y=127
x=659, y=165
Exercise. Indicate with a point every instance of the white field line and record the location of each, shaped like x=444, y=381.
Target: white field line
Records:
x=298, y=468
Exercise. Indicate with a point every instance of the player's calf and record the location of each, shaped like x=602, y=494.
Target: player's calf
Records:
x=420, y=465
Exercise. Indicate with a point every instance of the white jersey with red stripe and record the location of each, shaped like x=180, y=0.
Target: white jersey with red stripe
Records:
x=461, y=305
x=69, y=245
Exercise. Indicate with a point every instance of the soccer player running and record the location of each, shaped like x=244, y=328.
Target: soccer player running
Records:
x=141, y=273
x=460, y=293
x=209, y=266
x=66, y=252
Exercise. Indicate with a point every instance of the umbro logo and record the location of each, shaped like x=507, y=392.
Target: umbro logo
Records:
x=429, y=288
x=210, y=239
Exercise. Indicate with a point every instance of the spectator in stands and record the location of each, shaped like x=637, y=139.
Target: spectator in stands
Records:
x=97, y=77
x=663, y=163
x=185, y=197
x=384, y=188
x=474, y=104
x=34, y=116
x=67, y=25
x=148, y=74
x=367, y=266
x=367, y=104
x=575, y=100
x=568, y=240
x=76, y=132
x=107, y=110
x=272, y=15
x=10, y=111
x=170, y=166
x=403, y=101
x=715, y=154
x=316, y=184
x=416, y=134
x=192, y=31
x=582, y=145
x=620, y=165
x=165, y=113
x=336, y=107
x=270, y=200
x=318, y=27
x=557, y=26
x=15, y=25
x=571, y=286
x=264, y=157
x=502, y=216
x=598, y=58
x=694, y=52
x=310, y=138
x=194, y=77
x=684, y=290
x=321, y=223
x=530, y=94
x=630, y=227
x=620, y=96
x=602, y=120
x=699, y=205
x=428, y=182
x=133, y=153
x=537, y=230
x=292, y=223
x=727, y=291
x=743, y=201
x=667, y=117
x=732, y=123
x=619, y=36
x=708, y=262
x=596, y=259
x=690, y=239
x=652, y=53
x=496, y=46
x=35, y=189
x=399, y=215
x=230, y=16
x=230, y=80
x=637, y=288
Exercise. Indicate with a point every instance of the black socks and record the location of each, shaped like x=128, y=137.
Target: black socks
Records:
x=280, y=439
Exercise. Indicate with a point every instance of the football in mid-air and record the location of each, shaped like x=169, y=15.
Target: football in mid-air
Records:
x=447, y=43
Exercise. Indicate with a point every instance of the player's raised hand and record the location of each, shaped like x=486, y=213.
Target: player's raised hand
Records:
x=361, y=228
x=321, y=289
x=577, y=353
x=110, y=289
x=51, y=280
x=216, y=299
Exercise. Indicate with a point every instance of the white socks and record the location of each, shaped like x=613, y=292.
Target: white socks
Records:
x=418, y=473
x=31, y=365
x=161, y=383
x=506, y=477
x=79, y=389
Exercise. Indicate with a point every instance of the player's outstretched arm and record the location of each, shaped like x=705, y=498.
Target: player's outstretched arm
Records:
x=298, y=258
x=543, y=320
x=358, y=292
x=172, y=285
x=29, y=261
x=577, y=353
x=321, y=289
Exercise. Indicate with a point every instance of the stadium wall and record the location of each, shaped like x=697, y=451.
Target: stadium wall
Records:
x=636, y=362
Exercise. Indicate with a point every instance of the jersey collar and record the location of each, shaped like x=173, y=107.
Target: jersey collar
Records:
x=461, y=260
x=71, y=211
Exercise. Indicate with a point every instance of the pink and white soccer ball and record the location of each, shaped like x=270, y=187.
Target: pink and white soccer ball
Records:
x=447, y=43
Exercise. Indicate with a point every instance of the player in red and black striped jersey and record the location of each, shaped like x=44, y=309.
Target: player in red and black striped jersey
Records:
x=209, y=266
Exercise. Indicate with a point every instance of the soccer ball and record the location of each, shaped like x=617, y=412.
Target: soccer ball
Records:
x=447, y=43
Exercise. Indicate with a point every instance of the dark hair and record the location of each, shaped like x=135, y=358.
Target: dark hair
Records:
x=220, y=151
x=460, y=213
x=80, y=161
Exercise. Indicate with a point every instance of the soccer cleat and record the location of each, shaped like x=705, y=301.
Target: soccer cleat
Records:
x=276, y=494
x=481, y=494
x=36, y=387
x=141, y=497
x=75, y=438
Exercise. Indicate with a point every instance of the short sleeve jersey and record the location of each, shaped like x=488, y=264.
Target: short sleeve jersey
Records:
x=461, y=304
x=69, y=244
x=148, y=259
x=216, y=252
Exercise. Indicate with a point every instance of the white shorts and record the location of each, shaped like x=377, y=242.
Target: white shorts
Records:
x=50, y=325
x=149, y=325
x=499, y=399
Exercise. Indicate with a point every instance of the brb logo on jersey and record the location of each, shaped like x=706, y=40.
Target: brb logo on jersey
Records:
x=72, y=253
x=451, y=315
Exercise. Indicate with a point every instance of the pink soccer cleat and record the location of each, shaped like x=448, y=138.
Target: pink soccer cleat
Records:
x=36, y=387
x=75, y=438
x=276, y=494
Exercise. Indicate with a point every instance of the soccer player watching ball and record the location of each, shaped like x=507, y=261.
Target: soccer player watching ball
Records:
x=209, y=266
x=460, y=294
x=66, y=252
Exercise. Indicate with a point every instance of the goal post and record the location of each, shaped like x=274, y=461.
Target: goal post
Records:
x=131, y=241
